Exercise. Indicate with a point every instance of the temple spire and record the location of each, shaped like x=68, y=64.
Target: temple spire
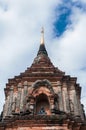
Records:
x=42, y=36
x=42, y=49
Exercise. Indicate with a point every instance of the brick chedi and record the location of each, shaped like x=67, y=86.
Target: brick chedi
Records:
x=42, y=98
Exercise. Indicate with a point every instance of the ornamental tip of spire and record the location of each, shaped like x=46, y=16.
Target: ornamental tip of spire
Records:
x=42, y=49
x=42, y=36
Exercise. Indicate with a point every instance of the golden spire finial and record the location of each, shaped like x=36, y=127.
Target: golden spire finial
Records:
x=42, y=36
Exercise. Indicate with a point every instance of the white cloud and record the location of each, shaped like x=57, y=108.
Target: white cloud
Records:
x=72, y=49
x=20, y=23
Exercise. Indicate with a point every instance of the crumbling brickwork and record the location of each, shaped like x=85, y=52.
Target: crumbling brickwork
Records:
x=42, y=98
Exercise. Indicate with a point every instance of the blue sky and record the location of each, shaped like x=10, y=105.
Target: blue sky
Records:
x=63, y=18
x=65, y=28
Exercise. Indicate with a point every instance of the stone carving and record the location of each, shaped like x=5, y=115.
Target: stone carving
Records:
x=56, y=104
x=18, y=99
x=71, y=106
x=82, y=107
x=55, y=108
x=28, y=107
x=42, y=111
x=14, y=105
x=27, y=110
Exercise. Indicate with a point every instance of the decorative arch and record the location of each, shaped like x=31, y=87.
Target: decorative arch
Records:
x=45, y=83
x=42, y=95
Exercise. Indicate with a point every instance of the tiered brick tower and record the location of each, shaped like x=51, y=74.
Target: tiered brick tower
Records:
x=42, y=98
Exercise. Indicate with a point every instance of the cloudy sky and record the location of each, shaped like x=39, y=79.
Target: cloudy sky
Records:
x=65, y=37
